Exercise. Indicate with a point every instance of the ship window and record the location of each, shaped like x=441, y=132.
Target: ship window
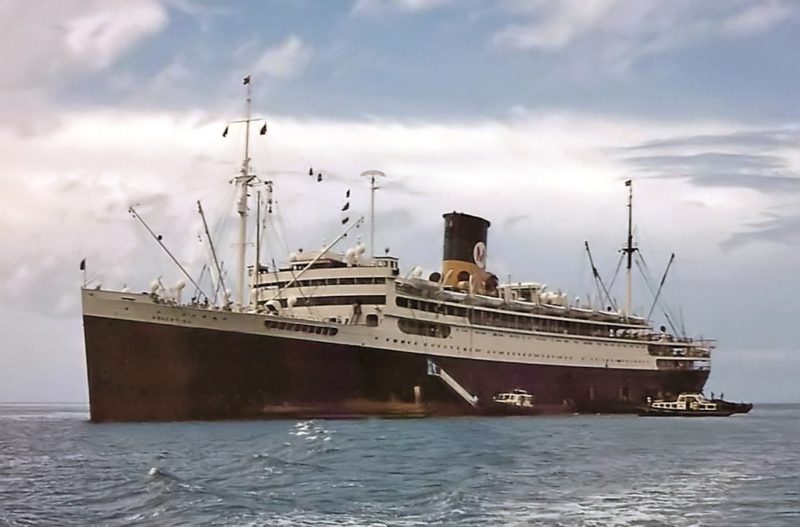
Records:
x=372, y=320
x=338, y=300
x=428, y=329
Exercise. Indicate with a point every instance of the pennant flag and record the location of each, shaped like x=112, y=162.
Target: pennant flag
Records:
x=627, y=182
x=346, y=206
x=311, y=171
x=246, y=80
x=225, y=132
x=83, y=265
x=319, y=177
x=345, y=220
x=347, y=194
x=263, y=129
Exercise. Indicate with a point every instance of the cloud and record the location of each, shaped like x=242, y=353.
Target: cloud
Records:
x=97, y=38
x=502, y=170
x=286, y=60
x=747, y=139
x=774, y=228
x=48, y=45
x=374, y=7
x=765, y=173
x=555, y=25
x=765, y=160
x=617, y=33
x=757, y=18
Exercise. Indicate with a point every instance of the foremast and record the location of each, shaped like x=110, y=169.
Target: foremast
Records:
x=243, y=181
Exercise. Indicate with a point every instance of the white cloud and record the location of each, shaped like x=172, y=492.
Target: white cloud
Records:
x=373, y=7
x=97, y=38
x=45, y=43
x=554, y=166
x=556, y=24
x=617, y=33
x=286, y=60
x=757, y=18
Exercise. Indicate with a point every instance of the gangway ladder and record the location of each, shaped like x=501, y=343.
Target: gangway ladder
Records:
x=435, y=371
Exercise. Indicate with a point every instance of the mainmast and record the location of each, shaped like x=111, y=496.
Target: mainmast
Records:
x=372, y=175
x=629, y=249
x=243, y=182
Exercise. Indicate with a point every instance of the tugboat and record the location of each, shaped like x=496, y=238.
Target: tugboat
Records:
x=515, y=402
x=693, y=405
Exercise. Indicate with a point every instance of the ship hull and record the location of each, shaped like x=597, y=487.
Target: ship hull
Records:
x=146, y=371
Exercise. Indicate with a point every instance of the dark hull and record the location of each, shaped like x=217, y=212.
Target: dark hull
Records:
x=504, y=409
x=141, y=371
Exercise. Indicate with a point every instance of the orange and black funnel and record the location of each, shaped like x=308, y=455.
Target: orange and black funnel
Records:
x=465, y=251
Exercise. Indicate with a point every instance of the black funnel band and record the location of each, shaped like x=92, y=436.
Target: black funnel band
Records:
x=461, y=233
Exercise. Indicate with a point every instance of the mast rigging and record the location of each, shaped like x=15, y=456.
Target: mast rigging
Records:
x=158, y=239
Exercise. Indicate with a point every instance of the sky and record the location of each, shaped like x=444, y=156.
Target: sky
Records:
x=530, y=113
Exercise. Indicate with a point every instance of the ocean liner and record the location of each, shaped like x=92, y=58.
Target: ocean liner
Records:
x=343, y=333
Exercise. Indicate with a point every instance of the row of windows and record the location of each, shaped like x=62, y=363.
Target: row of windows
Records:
x=431, y=307
x=427, y=329
x=318, y=282
x=512, y=321
x=305, y=328
x=680, y=365
x=570, y=327
x=667, y=351
x=460, y=349
x=336, y=300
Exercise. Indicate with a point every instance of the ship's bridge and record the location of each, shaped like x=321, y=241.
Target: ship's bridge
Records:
x=333, y=286
x=524, y=291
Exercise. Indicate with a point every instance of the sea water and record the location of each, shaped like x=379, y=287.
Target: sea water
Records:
x=56, y=468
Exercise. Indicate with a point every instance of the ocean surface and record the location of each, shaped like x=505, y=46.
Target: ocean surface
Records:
x=56, y=468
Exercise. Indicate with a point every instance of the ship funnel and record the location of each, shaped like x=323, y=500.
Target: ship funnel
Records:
x=464, y=259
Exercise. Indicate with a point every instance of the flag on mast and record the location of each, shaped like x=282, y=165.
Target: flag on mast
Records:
x=225, y=132
x=83, y=265
x=628, y=182
x=263, y=129
x=246, y=80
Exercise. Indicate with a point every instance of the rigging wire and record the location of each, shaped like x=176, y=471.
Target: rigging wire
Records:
x=616, y=271
x=664, y=309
